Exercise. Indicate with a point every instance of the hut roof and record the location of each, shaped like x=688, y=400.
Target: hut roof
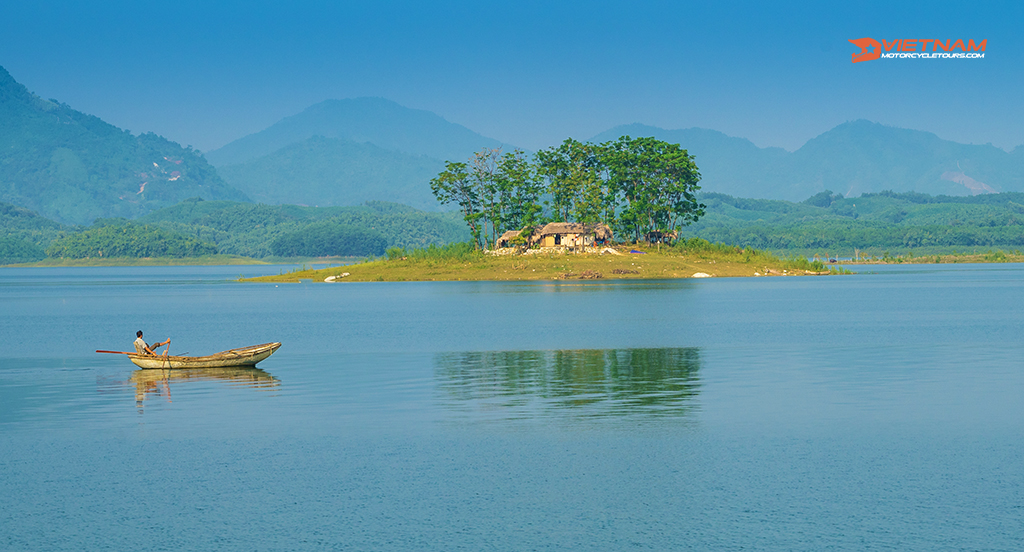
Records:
x=601, y=230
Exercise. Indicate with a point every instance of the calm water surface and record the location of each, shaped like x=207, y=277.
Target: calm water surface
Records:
x=880, y=411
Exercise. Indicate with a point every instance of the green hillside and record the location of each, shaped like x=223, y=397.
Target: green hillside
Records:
x=257, y=230
x=381, y=122
x=121, y=238
x=24, y=234
x=22, y=223
x=853, y=158
x=332, y=171
x=825, y=223
x=74, y=167
x=828, y=222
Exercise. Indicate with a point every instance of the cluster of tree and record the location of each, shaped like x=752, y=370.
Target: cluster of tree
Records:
x=837, y=234
x=122, y=238
x=196, y=227
x=635, y=185
x=16, y=250
x=919, y=198
x=329, y=239
x=17, y=222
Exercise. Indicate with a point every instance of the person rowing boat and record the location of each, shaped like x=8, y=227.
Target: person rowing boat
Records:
x=143, y=349
x=232, y=358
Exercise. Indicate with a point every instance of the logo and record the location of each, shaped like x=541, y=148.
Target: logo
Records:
x=871, y=49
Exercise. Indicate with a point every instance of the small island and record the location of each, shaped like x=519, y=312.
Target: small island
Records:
x=694, y=258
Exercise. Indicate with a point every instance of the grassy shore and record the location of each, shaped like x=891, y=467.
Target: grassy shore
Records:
x=947, y=258
x=460, y=262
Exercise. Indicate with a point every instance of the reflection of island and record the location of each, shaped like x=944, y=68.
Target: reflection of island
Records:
x=589, y=383
x=158, y=382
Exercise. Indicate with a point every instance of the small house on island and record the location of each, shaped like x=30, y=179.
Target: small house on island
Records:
x=562, y=234
x=661, y=236
x=505, y=240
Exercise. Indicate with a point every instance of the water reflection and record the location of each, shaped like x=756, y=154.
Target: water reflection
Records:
x=584, y=383
x=157, y=383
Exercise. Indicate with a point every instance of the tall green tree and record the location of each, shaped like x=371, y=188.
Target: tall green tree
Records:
x=455, y=185
x=520, y=192
x=656, y=182
x=483, y=169
x=575, y=180
x=635, y=185
x=496, y=192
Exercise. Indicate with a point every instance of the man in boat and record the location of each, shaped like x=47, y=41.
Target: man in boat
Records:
x=143, y=349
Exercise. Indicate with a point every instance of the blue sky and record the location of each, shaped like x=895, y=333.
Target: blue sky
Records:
x=526, y=73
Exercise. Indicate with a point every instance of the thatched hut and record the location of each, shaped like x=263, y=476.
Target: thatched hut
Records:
x=571, y=234
x=505, y=240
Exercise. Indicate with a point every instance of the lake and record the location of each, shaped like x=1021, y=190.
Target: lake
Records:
x=882, y=410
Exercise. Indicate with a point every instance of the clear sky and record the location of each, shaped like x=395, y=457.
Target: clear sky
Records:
x=527, y=73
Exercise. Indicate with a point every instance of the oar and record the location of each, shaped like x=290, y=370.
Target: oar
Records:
x=124, y=353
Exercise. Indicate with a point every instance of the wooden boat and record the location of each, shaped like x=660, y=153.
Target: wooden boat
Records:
x=232, y=358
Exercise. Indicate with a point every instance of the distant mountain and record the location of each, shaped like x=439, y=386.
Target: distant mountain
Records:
x=74, y=167
x=380, y=122
x=852, y=158
x=862, y=156
x=321, y=171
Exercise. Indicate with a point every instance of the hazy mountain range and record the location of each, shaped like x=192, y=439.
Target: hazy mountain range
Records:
x=381, y=122
x=334, y=154
x=344, y=152
x=321, y=171
x=851, y=159
x=73, y=167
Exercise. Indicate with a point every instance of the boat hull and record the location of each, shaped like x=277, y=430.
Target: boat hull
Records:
x=245, y=356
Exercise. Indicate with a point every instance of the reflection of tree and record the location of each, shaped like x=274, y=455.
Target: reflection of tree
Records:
x=158, y=382
x=613, y=382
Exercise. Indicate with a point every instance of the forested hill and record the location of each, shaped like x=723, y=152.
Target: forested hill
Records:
x=24, y=234
x=196, y=227
x=74, y=167
x=377, y=121
x=853, y=158
x=828, y=222
x=256, y=230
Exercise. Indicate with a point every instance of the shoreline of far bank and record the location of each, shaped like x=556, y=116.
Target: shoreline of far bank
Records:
x=210, y=260
x=996, y=257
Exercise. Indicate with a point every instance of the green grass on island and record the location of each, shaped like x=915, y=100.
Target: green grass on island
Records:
x=461, y=261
